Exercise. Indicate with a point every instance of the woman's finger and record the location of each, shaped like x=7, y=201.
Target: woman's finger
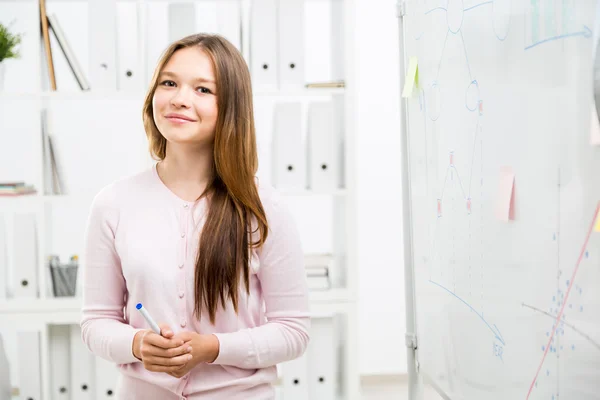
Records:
x=165, y=331
x=178, y=361
x=148, y=350
x=162, y=342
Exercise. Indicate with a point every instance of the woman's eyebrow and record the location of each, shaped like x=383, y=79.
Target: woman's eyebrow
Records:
x=199, y=79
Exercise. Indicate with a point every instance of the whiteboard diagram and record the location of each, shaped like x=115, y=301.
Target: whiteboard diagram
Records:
x=506, y=307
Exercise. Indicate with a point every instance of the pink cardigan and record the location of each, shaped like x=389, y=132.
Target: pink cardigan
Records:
x=140, y=247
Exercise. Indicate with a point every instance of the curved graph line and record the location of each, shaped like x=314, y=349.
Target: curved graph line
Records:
x=435, y=9
x=586, y=32
x=507, y=29
x=584, y=335
x=478, y=5
x=495, y=329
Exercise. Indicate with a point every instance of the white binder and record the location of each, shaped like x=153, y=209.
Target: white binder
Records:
x=324, y=147
x=103, y=41
x=129, y=65
x=263, y=44
x=29, y=365
x=60, y=374
x=156, y=34
x=321, y=355
x=82, y=367
x=5, y=386
x=291, y=44
x=24, y=266
x=229, y=21
x=107, y=374
x=295, y=379
x=182, y=20
x=288, y=150
x=3, y=259
x=207, y=17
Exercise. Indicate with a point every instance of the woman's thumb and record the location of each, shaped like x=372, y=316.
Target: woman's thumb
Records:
x=165, y=331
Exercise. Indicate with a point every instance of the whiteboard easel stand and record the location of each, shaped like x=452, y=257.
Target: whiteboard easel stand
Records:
x=414, y=392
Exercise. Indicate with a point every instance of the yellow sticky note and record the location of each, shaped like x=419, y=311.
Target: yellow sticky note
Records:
x=597, y=227
x=412, y=77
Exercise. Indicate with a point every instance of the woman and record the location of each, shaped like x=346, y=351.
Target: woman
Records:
x=209, y=252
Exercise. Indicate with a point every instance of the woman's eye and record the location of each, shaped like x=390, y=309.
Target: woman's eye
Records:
x=203, y=90
x=168, y=83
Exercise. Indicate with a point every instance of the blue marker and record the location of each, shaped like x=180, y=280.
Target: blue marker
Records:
x=148, y=318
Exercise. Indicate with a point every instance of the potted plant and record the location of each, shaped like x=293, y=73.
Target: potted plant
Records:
x=8, y=49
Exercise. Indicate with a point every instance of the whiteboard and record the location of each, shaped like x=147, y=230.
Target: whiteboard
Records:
x=506, y=308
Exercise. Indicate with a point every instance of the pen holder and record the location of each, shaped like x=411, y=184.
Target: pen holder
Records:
x=64, y=277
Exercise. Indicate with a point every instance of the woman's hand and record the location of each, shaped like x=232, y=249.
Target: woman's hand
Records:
x=205, y=348
x=161, y=353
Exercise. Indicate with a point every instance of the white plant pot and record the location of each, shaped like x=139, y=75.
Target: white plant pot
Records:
x=2, y=68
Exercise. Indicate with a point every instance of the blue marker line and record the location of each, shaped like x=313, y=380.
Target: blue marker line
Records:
x=478, y=5
x=587, y=33
x=466, y=55
x=496, y=332
x=435, y=9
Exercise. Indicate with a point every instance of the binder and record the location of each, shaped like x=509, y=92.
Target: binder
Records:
x=107, y=374
x=58, y=341
x=182, y=20
x=324, y=147
x=3, y=260
x=103, y=40
x=288, y=151
x=82, y=367
x=5, y=386
x=207, y=16
x=291, y=44
x=229, y=21
x=29, y=365
x=295, y=379
x=24, y=266
x=263, y=44
x=156, y=34
x=321, y=355
x=129, y=66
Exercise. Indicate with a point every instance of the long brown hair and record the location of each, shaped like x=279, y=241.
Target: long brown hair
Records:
x=225, y=242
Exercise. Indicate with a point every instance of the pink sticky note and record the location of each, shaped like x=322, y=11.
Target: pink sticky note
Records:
x=505, y=206
x=594, y=128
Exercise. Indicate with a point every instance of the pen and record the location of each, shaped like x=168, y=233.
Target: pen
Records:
x=148, y=318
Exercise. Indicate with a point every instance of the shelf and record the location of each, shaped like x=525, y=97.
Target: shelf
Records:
x=19, y=203
x=40, y=306
x=302, y=92
x=308, y=192
x=140, y=95
x=57, y=305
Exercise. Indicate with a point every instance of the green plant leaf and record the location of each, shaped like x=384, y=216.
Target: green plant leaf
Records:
x=8, y=43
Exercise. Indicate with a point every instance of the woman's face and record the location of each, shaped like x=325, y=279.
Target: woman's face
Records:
x=185, y=100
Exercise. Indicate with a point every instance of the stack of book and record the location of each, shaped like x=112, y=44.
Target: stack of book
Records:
x=318, y=270
x=15, y=189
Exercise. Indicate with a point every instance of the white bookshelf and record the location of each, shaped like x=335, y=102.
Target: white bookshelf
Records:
x=42, y=312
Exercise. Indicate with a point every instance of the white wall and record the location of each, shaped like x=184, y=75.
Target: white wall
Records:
x=381, y=273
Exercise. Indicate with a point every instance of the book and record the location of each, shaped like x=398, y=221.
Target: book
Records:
x=46, y=39
x=68, y=52
x=332, y=84
x=17, y=190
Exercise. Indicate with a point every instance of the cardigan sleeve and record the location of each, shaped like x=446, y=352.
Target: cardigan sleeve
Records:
x=103, y=327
